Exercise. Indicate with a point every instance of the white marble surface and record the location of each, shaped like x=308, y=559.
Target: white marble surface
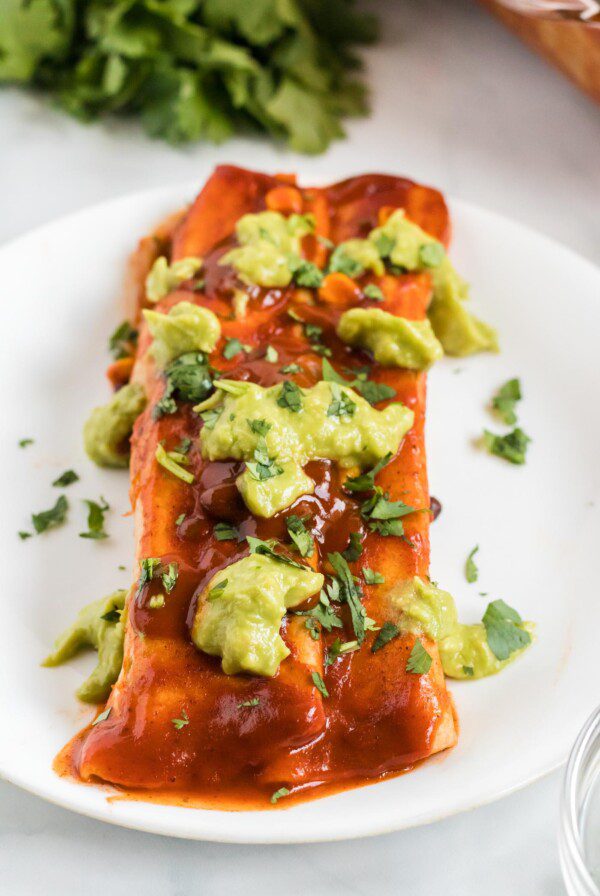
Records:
x=460, y=104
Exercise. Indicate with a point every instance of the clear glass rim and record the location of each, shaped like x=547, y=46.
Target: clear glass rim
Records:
x=584, y=755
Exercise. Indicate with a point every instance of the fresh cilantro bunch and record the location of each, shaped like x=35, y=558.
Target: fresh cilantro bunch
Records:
x=194, y=69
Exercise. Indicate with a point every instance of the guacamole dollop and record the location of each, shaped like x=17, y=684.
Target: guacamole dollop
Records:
x=393, y=341
x=163, y=277
x=107, y=429
x=424, y=609
x=186, y=328
x=99, y=625
x=408, y=246
x=266, y=497
x=277, y=430
x=239, y=613
x=269, y=244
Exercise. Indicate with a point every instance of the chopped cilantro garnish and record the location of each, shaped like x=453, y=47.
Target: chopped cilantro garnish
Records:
x=66, y=478
x=95, y=519
x=338, y=648
x=180, y=519
x=267, y=548
x=259, y=427
x=283, y=791
x=345, y=264
x=290, y=396
x=300, y=535
x=23, y=443
x=254, y=702
x=217, y=589
x=102, y=717
x=471, y=571
x=372, y=291
x=385, y=516
x=233, y=347
x=169, y=577
x=182, y=722
x=319, y=684
x=341, y=404
x=24, y=535
x=419, y=661
x=184, y=446
x=171, y=461
x=502, y=626
x=306, y=273
x=113, y=615
x=354, y=549
x=330, y=375
x=148, y=567
x=374, y=392
x=505, y=399
x=512, y=447
x=365, y=482
x=211, y=416
x=291, y=368
x=372, y=577
x=225, y=532
x=386, y=633
x=49, y=519
x=188, y=378
x=468, y=670
x=123, y=341
x=264, y=466
x=431, y=255
x=271, y=355
x=350, y=593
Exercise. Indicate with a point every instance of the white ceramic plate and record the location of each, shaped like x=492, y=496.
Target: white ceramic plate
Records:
x=538, y=526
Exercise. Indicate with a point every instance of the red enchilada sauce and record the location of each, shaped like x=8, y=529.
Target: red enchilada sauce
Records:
x=243, y=737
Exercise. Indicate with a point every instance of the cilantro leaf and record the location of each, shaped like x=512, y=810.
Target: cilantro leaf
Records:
x=341, y=404
x=372, y=577
x=182, y=722
x=271, y=355
x=283, y=791
x=95, y=520
x=267, y=548
x=502, y=627
x=300, y=535
x=264, y=466
x=123, y=341
x=350, y=593
x=306, y=273
x=372, y=291
x=374, y=392
x=419, y=661
x=319, y=684
x=505, y=399
x=290, y=396
x=291, y=368
x=354, y=549
x=386, y=633
x=471, y=571
x=24, y=443
x=366, y=481
x=345, y=264
x=225, y=532
x=512, y=447
x=66, y=478
x=169, y=578
x=102, y=717
x=255, y=701
x=49, y=519
x=188, y=378
x=234, y=347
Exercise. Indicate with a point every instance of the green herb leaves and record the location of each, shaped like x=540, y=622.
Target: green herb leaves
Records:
x=225, y=532
x=385, y=516
x=258, y=546
x=123, y=341
x=471, y=571
x=505, y=399
x=372, y=577
x=419, y=661
x=174, y=462
x=354, y=549
x=373, y=292
x=512, y=447
x=341, y=404
x=306, y=273
x=188, y=378
x=234, y=347
x=25, y=443
x=370, y=391
x=290, y=396
x=49, y=519
x=283, y=791
x=365, y=482
x=319, y=684
x=66, y=478
x=386, y=633
x=196, y=71
x=178, y=724
x=264, y=466
x=300, y=535
x=350, y=593
x=502, y=626
x=95, y=520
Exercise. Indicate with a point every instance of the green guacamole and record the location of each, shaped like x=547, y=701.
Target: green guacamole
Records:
x=269, y=241
x=258, y=425
x=164, y=277
x=186, y=328
x=239, y=614
x=266, y=497
x=422, y=608
x=408, y=246
x=393, y=341
x=108, y=428
x=105, y=635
